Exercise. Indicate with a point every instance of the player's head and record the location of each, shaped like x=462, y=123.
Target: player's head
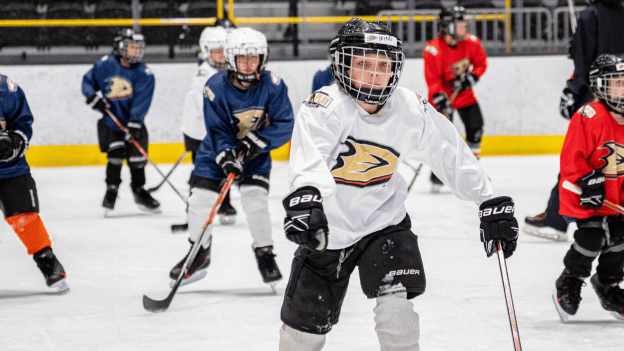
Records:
x=367, y=60
x=453, y=22
x=609, y=3
x=606, y=76
x=247, y=54
x=212, y=42
x=129, y=45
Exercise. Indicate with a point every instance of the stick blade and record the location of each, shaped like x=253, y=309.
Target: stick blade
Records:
x=156, y=306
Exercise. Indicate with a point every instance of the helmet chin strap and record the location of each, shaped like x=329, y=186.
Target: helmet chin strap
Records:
x=611, y=108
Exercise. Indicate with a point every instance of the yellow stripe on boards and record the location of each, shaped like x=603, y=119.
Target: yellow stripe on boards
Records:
x=90, y=155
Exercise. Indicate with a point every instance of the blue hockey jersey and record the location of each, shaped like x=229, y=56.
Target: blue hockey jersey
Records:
x=230, y=114
x=321, y=79
x=14, y=115
x=128, y=89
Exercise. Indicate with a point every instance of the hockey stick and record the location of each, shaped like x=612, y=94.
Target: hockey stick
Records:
x=150, y=190
x=136, y=144
x=515, y=335
x=572, y=16
x=416, y=172
x=161, y=306
x=606, y=203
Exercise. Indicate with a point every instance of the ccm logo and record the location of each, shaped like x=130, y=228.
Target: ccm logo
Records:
x=404, y=272
x=305, y=198
x=497, y=210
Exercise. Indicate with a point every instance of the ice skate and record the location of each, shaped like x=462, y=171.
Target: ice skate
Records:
x=611, y=297
x=267, y=266
x=227, y=214
x=536, y=226
x=436, y=184
x=110, y=198
x=567, y=295
x=196, y=271
x=145, y=201
x=52, y=269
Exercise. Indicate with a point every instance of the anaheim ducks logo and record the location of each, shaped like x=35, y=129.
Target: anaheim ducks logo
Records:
x=614, y=159
x=247, y=120
x=365, y=164
x=118, y=88
x=460, y=67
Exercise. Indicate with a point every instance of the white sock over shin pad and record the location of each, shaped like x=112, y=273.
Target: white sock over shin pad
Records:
x=200, y=204
x=295, y=340
x=396, y=323
x=255, y=200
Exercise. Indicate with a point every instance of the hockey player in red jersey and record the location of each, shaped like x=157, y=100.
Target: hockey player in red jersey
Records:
x=18, y=191
x=454, y=63
x=592, y=158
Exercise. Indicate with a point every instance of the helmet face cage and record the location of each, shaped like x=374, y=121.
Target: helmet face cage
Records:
x=369, y=62
x=124, y=46
x=213, y=38
x=246, y=41
x=609, y=87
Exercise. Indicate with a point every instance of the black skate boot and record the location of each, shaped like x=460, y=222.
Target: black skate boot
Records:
x=567, y=295
x=109, y=198
x=145, y=201
x=610, y=295
x=52, y=269
x=227, y=214
x=267, y=265
x=536, y=226
x=436, y=184
x=196, y=271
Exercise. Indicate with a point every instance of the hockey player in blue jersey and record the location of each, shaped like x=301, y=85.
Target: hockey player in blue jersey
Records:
x=18, y=191
x=121, y=83
x=247, y=111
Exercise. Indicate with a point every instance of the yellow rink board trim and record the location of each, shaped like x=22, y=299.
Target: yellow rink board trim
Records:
x=90, y=155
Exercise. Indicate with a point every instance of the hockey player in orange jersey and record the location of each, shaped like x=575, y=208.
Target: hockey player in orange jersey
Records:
x=454, y=63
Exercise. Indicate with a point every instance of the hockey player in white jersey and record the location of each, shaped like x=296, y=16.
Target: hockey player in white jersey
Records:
x=211, y=42
x=346, y=206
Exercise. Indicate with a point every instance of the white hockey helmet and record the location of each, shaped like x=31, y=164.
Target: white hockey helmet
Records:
x=246, y=41
x=213, y=38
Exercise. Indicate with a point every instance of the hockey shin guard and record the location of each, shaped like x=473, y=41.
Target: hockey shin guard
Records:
x=199, y=206
x=255, y=201
x=31, y=231
x=396, y=323
x=295, y=340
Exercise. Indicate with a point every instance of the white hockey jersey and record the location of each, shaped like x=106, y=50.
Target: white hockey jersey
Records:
x=193, y=124
x=352, y=157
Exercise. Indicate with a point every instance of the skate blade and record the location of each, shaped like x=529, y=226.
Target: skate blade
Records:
x=273, y=287
x=61, y=286
x=150, y=210
x=107, y=212
x=545, y=232
x=617, y=316
x=562, y=314
x=179, y=228
x=227, y=220
x=192, y=279
x=436, y=188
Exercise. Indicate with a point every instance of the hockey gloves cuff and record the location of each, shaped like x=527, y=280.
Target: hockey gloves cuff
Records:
x=135, y=129
x=13, y=145
x=228, y=161
x=593, y=187
x=98, y=102
x=465, y=82
x=569, y=103
x=442, y=102
x=498, y=224
x=305, y=222
x=250, y=146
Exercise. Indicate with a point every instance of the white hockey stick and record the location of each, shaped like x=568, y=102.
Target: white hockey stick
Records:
x=515, y=335
x=572, y=16
x=606, y=203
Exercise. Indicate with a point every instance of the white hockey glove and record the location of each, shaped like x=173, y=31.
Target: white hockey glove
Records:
x=305, y=222
x=498, y=224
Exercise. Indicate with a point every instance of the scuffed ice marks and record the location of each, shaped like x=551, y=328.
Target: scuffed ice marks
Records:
x=387, y=246
x=326, y=326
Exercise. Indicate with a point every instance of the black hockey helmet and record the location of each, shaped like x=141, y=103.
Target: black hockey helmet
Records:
x=225, y=23
x=359, y=38
x=608, y=3
x=605, y=72
x=449, y=17
x=125, y=38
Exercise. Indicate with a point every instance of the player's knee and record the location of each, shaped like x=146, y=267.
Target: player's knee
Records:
x=295, y=340
x=396, y=323
x=589, y=238
x=254, y=198
x=137, y=162
x=31, y=231
x=200, y=204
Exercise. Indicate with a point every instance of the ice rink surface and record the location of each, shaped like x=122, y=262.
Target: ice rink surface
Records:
x=112, y=262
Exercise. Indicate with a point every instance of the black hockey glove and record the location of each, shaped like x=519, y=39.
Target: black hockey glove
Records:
x=498, y=224
x=305, y=222
x=98, y=102
x=593, y=187
x=250, y=146
x=465, y=82
x=12, y=145
x=229, y=163
x=442, y=103
x=135, y=129
x=569, y=104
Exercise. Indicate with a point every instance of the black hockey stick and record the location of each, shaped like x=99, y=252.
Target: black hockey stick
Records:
x=138, y=146
x=151, y=190
x=416, y=172
x=515, y=335
x=161, y=306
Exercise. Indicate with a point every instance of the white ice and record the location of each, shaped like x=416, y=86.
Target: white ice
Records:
x=112, y=262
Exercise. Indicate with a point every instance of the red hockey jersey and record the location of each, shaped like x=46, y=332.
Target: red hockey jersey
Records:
x=594, y=141
x=444, y=63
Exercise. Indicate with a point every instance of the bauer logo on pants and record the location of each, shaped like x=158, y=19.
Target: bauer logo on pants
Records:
x=365, y=163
